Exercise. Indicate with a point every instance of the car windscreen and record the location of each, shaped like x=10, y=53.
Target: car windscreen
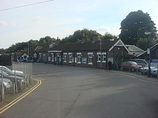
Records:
x=4, y=73
x=154, y=64
x=7, y=70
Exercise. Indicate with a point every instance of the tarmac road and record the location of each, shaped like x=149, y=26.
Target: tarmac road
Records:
x=79, y=92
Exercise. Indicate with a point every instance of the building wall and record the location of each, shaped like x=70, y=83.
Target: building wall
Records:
x=85, y=58
x=95, y=59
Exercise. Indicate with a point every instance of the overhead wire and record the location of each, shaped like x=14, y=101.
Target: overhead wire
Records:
x=25, y=5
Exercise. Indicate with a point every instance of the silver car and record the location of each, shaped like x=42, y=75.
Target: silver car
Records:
x=7, y=84
x=19, y=81
x=12, y=72
x=145, y=70
x=154, y=72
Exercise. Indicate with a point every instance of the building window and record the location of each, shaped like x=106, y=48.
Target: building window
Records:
x=79, y=55
x=70, y=58
x=104, y=57
x=35, y=55
x=84, y=60
x=52, y=57
x=99, y=57
x=90, y=58
x=64, y=57
x=49, y=58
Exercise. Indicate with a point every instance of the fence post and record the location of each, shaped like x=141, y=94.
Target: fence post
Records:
x=2, y=87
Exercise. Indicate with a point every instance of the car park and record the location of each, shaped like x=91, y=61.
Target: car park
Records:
x=130, y=66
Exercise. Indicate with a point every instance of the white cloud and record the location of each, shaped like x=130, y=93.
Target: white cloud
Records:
x=38, y=19
x=104, y=29
x=3, y=23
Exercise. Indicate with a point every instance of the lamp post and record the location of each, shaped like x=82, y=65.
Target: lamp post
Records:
x=28, y=49
x=101, y=57
x=149, y=52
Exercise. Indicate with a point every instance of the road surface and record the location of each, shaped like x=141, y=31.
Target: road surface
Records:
x=79, y=92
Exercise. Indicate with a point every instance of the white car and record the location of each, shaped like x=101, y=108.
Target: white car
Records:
x=154, y=72
x=145, y=70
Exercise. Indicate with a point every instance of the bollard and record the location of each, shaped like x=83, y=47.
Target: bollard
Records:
x=13, y=88
x=2, y=93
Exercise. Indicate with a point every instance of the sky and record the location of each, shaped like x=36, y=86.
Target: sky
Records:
x=61, y=18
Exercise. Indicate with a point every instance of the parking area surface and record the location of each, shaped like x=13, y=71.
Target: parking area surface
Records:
x=78, y=92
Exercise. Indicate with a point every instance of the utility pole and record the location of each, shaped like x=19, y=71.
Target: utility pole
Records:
x=149, y=52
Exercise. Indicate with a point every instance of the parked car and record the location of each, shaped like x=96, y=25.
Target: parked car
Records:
x=154, y=72
x=130, y=65
x=145, y=70
x=6, y=83
x=14, y=72
x=141, y=62
x=19, y=81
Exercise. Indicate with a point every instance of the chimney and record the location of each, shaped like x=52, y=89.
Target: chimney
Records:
x=94, y=36
x=57, y=41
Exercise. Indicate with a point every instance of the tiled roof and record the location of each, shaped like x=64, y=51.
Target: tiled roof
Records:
x=19, y=53
x=38, y=48
x=152, y=48
x=134, y=48
x=85, y=46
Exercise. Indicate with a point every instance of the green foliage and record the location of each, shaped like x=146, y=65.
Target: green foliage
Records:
x=46, y=41
x=108, y=36
x=143, y=43
x=2, y=51
x=23, y=47
x=82, y=35
x=78, y=36
x=135, y=25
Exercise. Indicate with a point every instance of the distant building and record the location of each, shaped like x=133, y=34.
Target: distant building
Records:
x=153, y=53
x=89, y=54
x=134, y=50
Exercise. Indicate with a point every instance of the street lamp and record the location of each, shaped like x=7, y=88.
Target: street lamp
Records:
x=101, y=57
x=149, y=52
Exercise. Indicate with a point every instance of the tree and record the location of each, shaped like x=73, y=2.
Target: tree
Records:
x=46, y=41
x=108, y=36
x=2, y=51
x=134, y=26
x=82, y=35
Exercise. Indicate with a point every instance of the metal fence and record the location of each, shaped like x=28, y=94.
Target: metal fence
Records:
x=14, y=78
x=26, y=68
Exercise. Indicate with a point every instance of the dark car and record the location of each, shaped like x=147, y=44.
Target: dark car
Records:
x=130, y=66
